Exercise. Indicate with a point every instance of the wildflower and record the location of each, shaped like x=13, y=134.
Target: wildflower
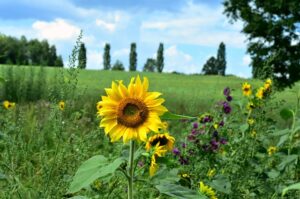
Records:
x=97, y=185
x=216, y=126
x=223, y=141
x=226, y=108
x=214, y=144
x=206, y=117
x=246, y=89
x=221, y=123
x=260, y=93
x=250, y=121
x=176, y=151
x=162, y=139
x=226, y=91
x=211, y=173
x=207, y=191
x=131, y=112
x=191, y=137
x=183, y=145
x=185, y=175
x=229, y=98
x=61, y=105
x=272, y=150
x=183, y=160
x=8, y=105
x=195, y=125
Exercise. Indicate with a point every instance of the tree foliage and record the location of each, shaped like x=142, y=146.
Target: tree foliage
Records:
x=133, y=57
x=150, y=65
x=23, y=52
x=82, y=56
x=221, y=59
x=272, y=28
x=106, y=57
x=210, y=67
x=118, y=65
x=160, y=58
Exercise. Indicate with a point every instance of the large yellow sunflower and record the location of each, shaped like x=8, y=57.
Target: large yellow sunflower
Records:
x=246, y=89
x=8, y=104
x=61, y=105
x=208, y=191
x=260, y=94
x=130, y=112
x=162, y=139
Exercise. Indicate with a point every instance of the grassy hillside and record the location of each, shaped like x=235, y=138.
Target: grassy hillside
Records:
x=184, y=94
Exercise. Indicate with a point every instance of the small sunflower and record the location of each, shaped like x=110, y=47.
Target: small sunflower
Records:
x=260, y=94
x=207, y=191
x=268, y=84
x=253, y=134
x=272, y=150
x=131, y=112
x=61, y=105
x=250, y=106
x=162, y=139
x=159, y=151
x=8, y=105
x=246, y=89
x=250, y=121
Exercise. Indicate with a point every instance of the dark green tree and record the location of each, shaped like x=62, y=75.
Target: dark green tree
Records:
x=106, y=57
x=118, y=65
x=210, y=67
x=82, y=56
x=160, y=58
x=132, y=57
x=274, y=45
x=52, y=56
x=59, y=62
x=221, y=59
x=150, y=65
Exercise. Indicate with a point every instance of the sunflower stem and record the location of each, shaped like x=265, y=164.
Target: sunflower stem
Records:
x=131, y=170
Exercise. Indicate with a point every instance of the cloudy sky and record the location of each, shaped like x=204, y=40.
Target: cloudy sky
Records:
x=191, y=30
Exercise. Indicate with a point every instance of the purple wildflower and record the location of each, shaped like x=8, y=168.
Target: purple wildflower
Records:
x=183, y=161
x=191, y=137
x=223, y=141
x=229, y=98
x=215, y=134
x=183, y=145
x=214, y=145
x=221, y=123
x=176, y=151
x=226, y=108
x=195, y=125
x=194, y=132
x=226, y=91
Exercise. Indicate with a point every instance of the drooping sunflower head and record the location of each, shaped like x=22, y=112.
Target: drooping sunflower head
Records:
x=61, y=105
x=268, y=84
x=159, y=151
x=246, y=89
x=130, y=112
x=8, y=105
x=250, y=106
x=161, y=139
x=207, y=191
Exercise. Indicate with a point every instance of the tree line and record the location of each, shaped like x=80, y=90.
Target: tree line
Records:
x=14, y=51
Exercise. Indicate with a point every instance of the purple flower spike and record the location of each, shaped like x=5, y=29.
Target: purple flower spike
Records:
x=194, y=132
x=195, y=125
x=176, y=151
x=214, y=145
x=229, y=98
x=226, y=108
x=226, y=91
x=215, y=134
x=223, y=141
x=183, y=161
x=183, y=145
x=191, y=137
x=221, y=123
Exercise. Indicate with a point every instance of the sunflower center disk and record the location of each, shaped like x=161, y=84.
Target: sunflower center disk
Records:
x=132, y=112
x=162, y=141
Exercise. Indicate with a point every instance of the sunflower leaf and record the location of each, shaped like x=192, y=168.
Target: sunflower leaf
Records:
x=92, y=169
x=179, y=192
x=172, y=116
x=291, y=187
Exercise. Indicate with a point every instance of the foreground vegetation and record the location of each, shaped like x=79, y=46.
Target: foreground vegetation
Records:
x=232, y=149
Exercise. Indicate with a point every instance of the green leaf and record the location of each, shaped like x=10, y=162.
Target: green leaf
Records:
x=286, y=161
x=3, y=176
x=291, y=187
x=79, y=197
x=283, y=139
x=221, y=184
x=273, y=174
x=179, y=192
x=286, y=114
x=2, y=80
x=280, y=133
x=163, y=176
x=244, y=127
x=92, y=169
x=172, y=116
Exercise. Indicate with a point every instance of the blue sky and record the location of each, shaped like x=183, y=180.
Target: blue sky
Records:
x=191, y=30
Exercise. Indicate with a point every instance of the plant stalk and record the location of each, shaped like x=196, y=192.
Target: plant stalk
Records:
x=131, y=170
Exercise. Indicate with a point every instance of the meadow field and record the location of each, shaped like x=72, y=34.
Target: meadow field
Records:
x=230, y=144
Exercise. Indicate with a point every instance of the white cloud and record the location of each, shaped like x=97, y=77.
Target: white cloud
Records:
x=94, y=60
x=194, y=24
x=57, y=30
x=246, y=60
x=176, y=60
x=112, y=20
x=121, y=52
x=106, y=25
